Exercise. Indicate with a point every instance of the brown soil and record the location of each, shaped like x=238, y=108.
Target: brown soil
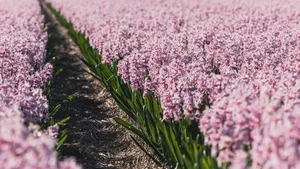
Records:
x=94, y=139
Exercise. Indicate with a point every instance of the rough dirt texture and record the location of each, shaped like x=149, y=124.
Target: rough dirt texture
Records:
x=94, y=139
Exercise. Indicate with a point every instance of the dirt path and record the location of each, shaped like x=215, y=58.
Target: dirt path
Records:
x=94, y=139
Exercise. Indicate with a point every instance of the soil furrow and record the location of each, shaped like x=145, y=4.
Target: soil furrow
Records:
x=94, y=139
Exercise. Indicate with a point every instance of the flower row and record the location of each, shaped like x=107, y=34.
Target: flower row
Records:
x=243, y=57
x=23, y=77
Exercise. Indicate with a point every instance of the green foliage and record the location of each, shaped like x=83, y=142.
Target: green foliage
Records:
x=179, y=144
x=62, y=123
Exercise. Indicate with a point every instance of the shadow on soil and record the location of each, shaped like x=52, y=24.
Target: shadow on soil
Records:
x=93, y=139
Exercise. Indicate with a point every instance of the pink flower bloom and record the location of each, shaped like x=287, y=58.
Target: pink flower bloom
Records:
x=24, y=148
x=22, y=79
x=242, y=56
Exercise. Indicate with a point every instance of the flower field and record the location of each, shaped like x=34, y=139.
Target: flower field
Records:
x=207, y=84
x=23, y=76
x=242, y=57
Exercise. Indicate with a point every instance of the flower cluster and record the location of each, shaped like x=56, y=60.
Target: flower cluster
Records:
x=25, y=146
x=258, y=115
x=22, y=56
x=241, y=56
x=23, y=77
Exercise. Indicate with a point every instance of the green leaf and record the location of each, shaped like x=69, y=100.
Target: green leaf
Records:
x=58, y=72
x=131, y=128
x=55, y=110
x=60, y=143
x=70, y=98
x=64, y=121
